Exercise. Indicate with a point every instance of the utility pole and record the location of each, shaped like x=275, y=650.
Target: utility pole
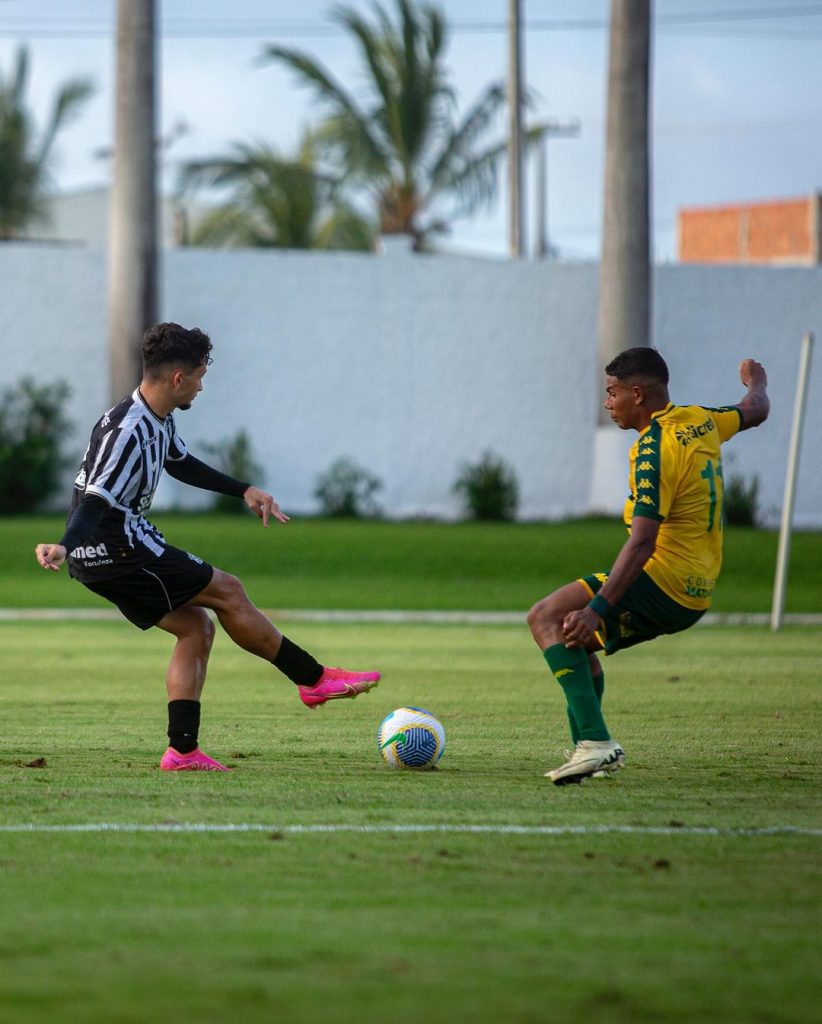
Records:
x=516, y=241
x=625, y=268
x=132, y=257
x=554, y=130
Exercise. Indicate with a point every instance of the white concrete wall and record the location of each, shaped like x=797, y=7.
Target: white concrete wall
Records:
x=412, y=366
x=706, y=320
x=80, y=219
x=53, y=326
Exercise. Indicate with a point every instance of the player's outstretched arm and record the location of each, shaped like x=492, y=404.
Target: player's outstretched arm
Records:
x=263, y=505
x=755, y=405
x=50, y=556
x=191, y=470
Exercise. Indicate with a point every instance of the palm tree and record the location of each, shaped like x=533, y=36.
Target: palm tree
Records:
x=401, y=143
x=276, y=201
x=23, y=157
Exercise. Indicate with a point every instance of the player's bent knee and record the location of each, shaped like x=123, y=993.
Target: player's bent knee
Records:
x=229, y=588
x=207, y=630
x=539, y=615
x=545, y=618
x=202, y=634
x=201, y=627
x=190, y=623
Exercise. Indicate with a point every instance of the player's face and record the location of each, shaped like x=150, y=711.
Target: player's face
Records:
x=191, y=384
x=620, y=401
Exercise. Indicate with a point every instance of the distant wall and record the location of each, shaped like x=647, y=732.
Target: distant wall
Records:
x=413, y=366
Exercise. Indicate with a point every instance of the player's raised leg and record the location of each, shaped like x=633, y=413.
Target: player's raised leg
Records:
x=255, y=632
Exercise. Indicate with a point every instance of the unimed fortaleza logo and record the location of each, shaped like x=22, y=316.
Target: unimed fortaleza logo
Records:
x=100, y=551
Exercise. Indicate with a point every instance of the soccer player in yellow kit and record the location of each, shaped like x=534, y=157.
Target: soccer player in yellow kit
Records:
x=663, y=578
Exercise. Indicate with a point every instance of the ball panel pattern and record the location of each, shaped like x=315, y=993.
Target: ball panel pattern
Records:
x=411, y=738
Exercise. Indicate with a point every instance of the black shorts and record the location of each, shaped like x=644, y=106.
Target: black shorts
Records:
x=644, y=612
x=146, y=595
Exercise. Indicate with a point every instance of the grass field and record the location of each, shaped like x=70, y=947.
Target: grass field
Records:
x=334, y=564
x=685, y=889
x=665, y=921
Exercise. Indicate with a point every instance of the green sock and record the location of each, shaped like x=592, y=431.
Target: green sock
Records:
x=599, y=690
x=599, y=687
x=572, y=670
x=572, y=725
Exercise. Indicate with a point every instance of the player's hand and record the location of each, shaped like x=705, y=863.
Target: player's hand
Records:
x=50, y=556
x=263, y=505
x=578, y=627
x=752, y=372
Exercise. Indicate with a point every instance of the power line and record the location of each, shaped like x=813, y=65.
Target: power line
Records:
x=702, y=22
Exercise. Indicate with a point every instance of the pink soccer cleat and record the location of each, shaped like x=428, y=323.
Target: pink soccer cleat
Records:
x=337, y=683
x=196, y=761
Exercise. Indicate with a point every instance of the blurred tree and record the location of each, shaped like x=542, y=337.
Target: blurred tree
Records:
x=33, y=430
x=24, y=157
x=235, y=457
x=347, y=490
x=401, y=144
x=275, y=201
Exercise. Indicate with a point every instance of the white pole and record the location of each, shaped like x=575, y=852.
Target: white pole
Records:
x=783, y=554
x=542, y=197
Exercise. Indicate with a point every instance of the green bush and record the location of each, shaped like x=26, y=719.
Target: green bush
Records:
x=32, y=432
x=234, y=457
x=346, y=490
x=741, y=501
x=488, y=489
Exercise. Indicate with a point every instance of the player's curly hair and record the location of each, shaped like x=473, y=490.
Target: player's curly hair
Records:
x=164, y=344
x=641, y=362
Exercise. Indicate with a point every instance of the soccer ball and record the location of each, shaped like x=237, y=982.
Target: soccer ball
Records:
x=411, y=738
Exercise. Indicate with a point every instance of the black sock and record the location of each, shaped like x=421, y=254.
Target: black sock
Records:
x=300, y=667
x=183, y=725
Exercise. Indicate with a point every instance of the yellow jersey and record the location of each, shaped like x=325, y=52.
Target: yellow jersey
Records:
x=676, y=479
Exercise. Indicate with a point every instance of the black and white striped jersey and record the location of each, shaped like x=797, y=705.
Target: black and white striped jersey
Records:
x=124, y=461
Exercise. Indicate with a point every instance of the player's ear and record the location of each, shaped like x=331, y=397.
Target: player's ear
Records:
x=639, y=394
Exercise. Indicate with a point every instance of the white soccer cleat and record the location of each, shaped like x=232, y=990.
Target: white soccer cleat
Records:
x=591, y=758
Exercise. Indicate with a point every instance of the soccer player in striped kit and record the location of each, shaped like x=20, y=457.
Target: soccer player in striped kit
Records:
x=115, y=551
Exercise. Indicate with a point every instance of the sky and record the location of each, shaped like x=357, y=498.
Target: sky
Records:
x=736, y=111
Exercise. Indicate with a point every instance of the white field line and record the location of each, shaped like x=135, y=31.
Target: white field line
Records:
x=499, y=830
x=459, y=618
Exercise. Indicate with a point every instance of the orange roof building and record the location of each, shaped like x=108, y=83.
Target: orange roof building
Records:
x=781, y=231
